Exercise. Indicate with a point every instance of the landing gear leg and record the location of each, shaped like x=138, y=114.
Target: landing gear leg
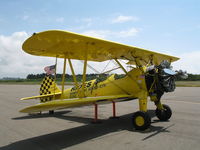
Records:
x=141, y=119
x=163, y=112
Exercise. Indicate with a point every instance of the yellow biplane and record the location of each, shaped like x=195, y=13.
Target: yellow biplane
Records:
x=150, y=75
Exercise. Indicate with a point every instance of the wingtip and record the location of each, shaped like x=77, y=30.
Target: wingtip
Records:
x=22, y=111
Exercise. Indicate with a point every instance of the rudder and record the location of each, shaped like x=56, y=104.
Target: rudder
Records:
x=48, y=86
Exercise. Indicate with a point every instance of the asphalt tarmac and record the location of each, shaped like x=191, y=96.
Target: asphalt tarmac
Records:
x=71, y=128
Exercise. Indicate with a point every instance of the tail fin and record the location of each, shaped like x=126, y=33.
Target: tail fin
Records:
x=48, y=86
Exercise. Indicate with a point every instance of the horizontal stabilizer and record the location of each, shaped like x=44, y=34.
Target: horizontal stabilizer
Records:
x=41, y=96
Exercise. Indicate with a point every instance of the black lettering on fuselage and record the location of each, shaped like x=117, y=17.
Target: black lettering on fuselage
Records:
x=88, y=87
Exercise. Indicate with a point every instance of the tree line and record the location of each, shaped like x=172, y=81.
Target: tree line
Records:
x=67, y=76
x=191, y=77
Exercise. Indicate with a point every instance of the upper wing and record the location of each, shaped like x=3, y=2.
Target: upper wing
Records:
x=59, y=44
x=66, y=103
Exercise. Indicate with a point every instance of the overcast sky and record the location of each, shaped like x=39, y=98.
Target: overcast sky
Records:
x=166, y=26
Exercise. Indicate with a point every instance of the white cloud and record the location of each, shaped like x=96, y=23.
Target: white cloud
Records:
x=16, y=63
x=122, y=19
x=189, y=62
x=112, y=34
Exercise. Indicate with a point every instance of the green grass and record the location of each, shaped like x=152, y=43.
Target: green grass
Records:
x=188, y=83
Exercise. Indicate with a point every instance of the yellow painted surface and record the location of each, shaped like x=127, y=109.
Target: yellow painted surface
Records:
x=111, y=88
x=41, y=96
x=66, y=103
x=58, y=43
x=139, y=121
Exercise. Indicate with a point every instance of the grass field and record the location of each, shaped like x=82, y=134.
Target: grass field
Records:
x=188, y=83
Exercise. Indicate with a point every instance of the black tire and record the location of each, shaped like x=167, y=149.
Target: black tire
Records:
x=141, y=120
x=51, y=112
x=164, y=114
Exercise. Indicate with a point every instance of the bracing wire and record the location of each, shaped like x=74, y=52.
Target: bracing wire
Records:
x=105, y=66
x=107, y=79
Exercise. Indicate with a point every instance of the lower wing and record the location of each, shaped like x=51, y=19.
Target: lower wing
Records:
x=75, y=102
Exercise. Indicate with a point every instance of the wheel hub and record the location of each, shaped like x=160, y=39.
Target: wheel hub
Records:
x=139, y=120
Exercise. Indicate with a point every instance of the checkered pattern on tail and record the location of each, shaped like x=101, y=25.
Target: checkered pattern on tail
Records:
x=48, y=86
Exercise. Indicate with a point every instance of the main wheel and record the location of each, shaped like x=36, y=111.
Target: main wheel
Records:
x=141, y=120
x=164, y=114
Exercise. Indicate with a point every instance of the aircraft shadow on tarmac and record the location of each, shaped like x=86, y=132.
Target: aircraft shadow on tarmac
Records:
x=69, y=137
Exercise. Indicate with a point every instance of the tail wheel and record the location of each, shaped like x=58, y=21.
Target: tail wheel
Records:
x=141, y=120
x=51, y=112
x=164, y=114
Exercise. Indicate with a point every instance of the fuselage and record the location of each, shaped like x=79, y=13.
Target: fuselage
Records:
x=131, y=84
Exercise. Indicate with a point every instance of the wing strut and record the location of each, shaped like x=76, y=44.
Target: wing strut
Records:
x=73, y=74
x=55, y=78
x=63, y=76
x=84, y=74
x=120, y=65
